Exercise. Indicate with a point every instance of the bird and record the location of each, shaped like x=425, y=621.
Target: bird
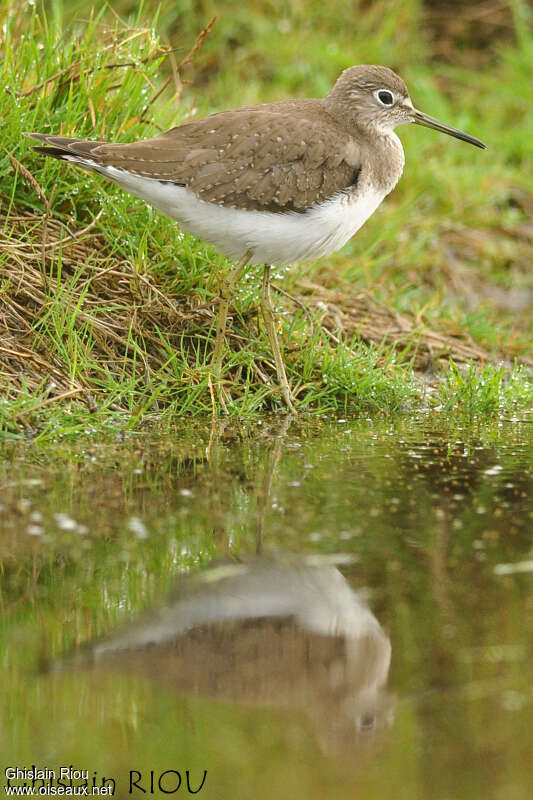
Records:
x=274, y=184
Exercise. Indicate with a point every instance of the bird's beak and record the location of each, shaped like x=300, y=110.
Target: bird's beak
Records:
x=430, y=122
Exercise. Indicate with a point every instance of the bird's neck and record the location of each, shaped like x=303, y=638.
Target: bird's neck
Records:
x=385, y=159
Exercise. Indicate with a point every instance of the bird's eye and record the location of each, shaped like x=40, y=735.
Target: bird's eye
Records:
x=385, y=97
x=365, y=722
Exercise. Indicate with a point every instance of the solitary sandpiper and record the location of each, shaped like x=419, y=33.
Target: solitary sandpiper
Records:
x=271, y=184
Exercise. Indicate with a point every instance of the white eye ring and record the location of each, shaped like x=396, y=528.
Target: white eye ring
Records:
x=384, y=97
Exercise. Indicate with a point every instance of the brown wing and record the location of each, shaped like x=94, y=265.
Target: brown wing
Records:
x=263, y=157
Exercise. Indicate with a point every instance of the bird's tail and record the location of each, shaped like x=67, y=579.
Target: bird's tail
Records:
x=77, y=151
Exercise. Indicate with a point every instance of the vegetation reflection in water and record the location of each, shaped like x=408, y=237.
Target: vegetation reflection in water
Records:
x=313, y=550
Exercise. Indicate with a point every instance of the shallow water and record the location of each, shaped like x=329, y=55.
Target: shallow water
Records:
x=325, y=609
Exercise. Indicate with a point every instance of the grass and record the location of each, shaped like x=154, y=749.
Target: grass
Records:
x=485, y=391
x=116, y=322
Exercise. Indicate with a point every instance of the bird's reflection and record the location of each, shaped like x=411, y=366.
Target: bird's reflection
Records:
x=284, y=634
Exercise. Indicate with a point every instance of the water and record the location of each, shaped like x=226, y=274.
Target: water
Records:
x=325, y=609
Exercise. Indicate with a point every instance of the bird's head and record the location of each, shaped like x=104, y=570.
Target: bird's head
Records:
x=376, y=100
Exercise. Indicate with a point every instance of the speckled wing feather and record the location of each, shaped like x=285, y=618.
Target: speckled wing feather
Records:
x=275, y=157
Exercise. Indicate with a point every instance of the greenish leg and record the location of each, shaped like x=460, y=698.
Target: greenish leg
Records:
x=270, y=324
x=227, y=289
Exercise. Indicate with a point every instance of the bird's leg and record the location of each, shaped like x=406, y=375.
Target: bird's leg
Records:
x=227, y=288
x=270, y=324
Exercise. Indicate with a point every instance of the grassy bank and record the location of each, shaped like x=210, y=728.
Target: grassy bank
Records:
x=107, y=309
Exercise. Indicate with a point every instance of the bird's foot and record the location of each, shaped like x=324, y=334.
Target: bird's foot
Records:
x=288, y=398
x=220, y=399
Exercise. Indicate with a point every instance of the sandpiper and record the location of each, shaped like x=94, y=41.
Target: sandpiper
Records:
x=271, y=184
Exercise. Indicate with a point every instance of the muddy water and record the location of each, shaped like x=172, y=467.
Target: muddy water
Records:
x=280, y=610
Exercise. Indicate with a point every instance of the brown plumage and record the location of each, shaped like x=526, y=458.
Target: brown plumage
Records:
x=265, y=158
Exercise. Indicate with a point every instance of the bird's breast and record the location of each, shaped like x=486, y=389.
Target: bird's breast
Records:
x=384, y=163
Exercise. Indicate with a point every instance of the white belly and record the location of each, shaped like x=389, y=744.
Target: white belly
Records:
x=283, y=238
